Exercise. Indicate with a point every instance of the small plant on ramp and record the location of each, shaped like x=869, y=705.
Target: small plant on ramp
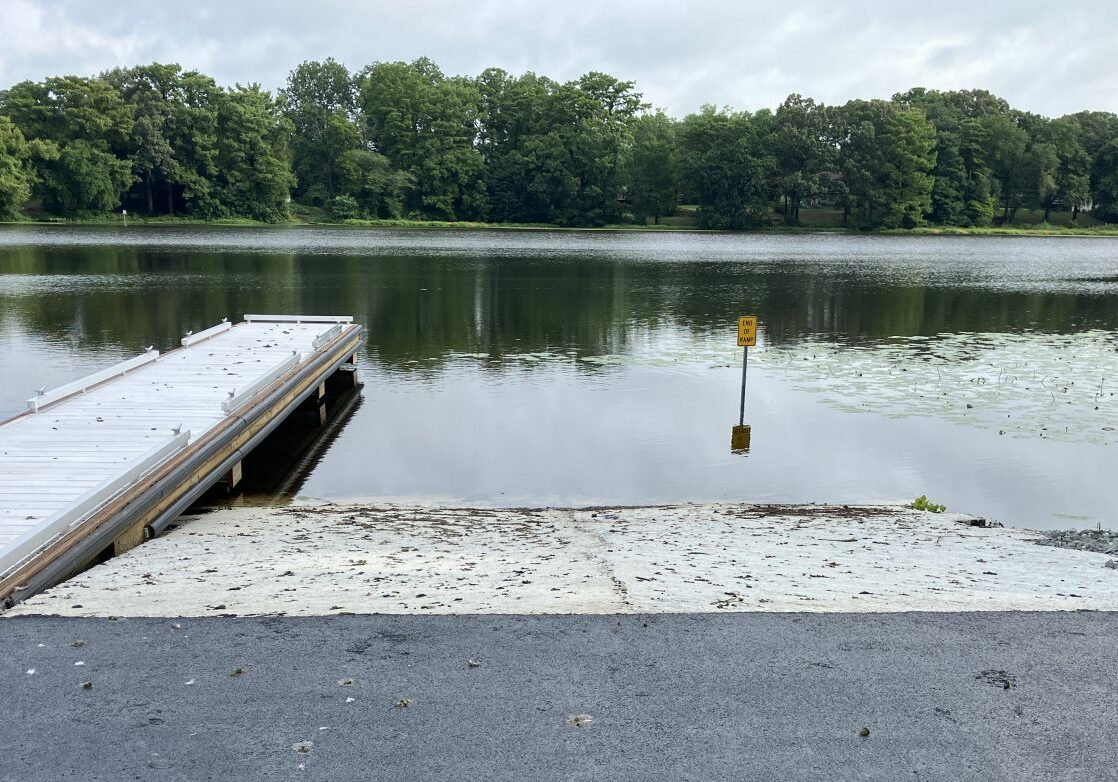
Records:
x=923, y=503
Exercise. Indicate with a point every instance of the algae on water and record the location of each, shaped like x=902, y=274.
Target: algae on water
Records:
x=1027, y=384
x=1054, y=386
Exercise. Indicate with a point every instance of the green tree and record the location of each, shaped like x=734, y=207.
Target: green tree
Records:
x=1097, y=129
x=858, y=125
x=254, y=177
x=345, y=207
x=380, y=190
x=556, y=152
x=1105, y=181
x=948, y=198
x=426, y=125
x=403, y=139
x=961, y=193
x=320, y=101
x=652, y=176
x=725, y=162
x=74, y=124
x=596, y=114
x=526, y=159
x=195, y=140
x=1071, y=180
x=173, y=142
x=908, y=160
x=1006, y=150
x=886, y=157
x=801, y=150
x=154, y=158
x=64, y=108
x=16, y=175
x=978, y=197
x=149, y=91
x=1041, y=163
x=80, y=179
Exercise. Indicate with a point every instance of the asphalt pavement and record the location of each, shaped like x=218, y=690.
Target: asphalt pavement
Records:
x=903, y=696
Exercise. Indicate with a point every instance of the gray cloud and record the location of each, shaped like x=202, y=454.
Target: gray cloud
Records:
x=1040, y=56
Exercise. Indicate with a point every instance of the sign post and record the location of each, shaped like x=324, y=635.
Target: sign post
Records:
x=747, y=338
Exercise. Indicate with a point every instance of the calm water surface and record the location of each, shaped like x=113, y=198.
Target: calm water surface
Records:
x=536, y=367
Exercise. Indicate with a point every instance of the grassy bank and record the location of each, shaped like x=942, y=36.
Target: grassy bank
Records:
x=1032, y=230
x=686, y=220
x=117, y=220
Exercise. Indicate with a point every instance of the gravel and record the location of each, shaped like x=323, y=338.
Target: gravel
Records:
x=1101, y=541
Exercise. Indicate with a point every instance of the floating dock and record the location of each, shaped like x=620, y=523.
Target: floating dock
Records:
x=97, y=466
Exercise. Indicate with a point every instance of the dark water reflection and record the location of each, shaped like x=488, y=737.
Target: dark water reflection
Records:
x=440, y=421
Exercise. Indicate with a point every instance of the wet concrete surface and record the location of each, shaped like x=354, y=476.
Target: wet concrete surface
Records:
x=945, y=696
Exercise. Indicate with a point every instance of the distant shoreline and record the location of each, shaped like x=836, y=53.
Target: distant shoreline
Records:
x=164, y=222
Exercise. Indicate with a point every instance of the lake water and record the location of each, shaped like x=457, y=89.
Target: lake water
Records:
x=573, y=368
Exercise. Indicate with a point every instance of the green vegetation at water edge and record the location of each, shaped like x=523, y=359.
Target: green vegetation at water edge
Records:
x=923, y=503
x=399, y=143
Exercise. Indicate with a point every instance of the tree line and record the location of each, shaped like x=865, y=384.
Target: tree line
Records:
x=400, y=140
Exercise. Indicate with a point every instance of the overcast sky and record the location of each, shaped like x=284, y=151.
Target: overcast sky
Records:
x=1048, y=57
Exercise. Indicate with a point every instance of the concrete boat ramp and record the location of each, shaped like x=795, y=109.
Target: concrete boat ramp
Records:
x=329, y=559
x=94, y=467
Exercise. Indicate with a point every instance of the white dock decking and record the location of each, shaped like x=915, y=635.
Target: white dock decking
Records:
x=82, y=445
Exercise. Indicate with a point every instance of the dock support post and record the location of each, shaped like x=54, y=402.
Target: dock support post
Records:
x=349, y=368
x=235, y=475
x=132, y=537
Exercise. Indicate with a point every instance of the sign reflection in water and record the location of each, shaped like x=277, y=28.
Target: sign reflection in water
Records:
x=740, y=437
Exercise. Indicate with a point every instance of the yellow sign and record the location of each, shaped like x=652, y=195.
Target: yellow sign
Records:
x=747, y=331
